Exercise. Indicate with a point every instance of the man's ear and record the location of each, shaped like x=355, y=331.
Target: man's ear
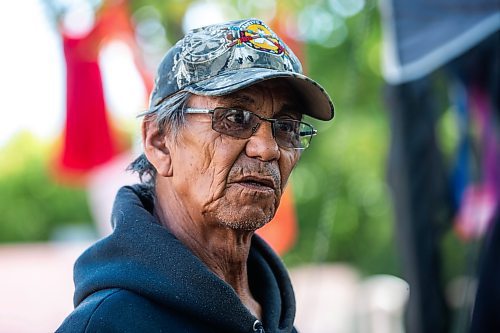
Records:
x=156, y=147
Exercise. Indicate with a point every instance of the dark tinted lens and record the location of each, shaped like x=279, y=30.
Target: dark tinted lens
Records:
x=286, y=133
x=234, y=122
x=292, y=133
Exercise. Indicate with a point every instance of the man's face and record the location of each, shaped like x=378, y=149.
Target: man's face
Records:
x=228, y=181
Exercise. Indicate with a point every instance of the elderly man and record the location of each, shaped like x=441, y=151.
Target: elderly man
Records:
x=222, y=135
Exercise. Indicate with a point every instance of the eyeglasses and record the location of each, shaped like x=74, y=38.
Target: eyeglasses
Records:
x=242, y=124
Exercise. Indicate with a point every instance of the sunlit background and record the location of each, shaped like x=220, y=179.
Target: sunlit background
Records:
x=342, y=252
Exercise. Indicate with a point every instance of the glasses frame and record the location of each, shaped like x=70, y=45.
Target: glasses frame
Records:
x=273, y=121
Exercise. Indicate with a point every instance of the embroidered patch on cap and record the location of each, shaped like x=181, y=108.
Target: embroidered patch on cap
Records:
x=257, y=35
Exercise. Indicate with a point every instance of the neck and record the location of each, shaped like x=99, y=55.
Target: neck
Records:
x=224, y=250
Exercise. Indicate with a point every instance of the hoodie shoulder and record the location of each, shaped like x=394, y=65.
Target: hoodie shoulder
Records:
x=110, y=310
x=119, y=310
x=79, y=319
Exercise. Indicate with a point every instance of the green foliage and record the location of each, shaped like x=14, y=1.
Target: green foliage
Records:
x=342, y=199
x=32, y=205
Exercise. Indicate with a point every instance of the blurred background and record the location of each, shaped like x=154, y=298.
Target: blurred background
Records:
x=390, y=223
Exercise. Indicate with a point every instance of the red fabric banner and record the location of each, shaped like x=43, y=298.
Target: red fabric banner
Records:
x=88, y=139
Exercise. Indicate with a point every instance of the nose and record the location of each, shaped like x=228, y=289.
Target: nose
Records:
x=262, y=144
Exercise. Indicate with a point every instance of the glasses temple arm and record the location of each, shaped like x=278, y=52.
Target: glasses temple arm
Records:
x=312, y=133
x=196, y=110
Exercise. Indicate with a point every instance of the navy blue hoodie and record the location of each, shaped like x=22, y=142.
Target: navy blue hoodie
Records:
x=142, y=279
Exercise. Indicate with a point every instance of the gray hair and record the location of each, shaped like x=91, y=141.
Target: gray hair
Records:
x=169, y=117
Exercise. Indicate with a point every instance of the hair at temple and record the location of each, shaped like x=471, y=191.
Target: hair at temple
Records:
x=169, y=116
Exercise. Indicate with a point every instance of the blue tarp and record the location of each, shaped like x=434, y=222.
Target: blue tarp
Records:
x=422, y=35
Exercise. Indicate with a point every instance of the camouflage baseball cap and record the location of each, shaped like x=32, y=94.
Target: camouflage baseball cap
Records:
x=222, y=58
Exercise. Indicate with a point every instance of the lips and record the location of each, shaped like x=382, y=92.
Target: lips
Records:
x=257, y=183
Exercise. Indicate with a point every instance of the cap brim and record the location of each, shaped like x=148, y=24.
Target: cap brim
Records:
x=319, y=105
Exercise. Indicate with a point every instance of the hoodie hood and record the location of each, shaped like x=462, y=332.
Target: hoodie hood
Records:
x=143, y=257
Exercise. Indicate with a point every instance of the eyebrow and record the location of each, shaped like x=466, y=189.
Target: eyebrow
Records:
x=244, y=100
x=289, y=110
x=238, y=99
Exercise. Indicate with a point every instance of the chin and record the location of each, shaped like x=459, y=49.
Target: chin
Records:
x=247, y=225
x=239, y=212
x=246, y=218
